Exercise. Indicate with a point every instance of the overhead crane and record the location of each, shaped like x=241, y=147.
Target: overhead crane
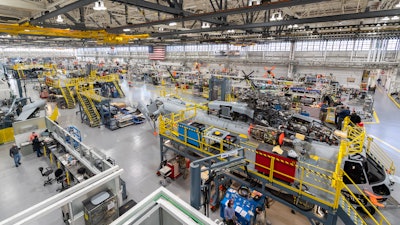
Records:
x=101, y=36
x=315, y=186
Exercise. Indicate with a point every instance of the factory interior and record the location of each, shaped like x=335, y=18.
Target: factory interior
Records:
x=220, y=112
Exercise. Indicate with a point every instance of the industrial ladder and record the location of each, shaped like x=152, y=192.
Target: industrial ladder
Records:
x=90, y=110
x=66, y=93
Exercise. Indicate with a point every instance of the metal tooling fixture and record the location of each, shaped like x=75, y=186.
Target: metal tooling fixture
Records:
x=220, y=82
x=229, y=159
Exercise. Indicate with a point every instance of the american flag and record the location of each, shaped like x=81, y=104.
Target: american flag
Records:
x=157, y=52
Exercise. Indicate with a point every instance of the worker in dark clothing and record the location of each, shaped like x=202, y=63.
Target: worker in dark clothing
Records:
x=323, y=111
x=14, y=153
x=36, y=146
x=345, y=112
x=229, y=213
x=379, y=81
x=338, y=109
x=355, y=118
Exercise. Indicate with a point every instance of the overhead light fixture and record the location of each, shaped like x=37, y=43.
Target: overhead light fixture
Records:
x=161, y=29
x=126, y=30
x=290, y=26
x=99, y=5
x=397, y=5
x=254, y=2
x=172, y=24
x=59, y=19
x=395, y=18
x=385, y=18
x=205, y=25
x=276, y=16
x=279, y=17
x=295, y=26
x=230, y=31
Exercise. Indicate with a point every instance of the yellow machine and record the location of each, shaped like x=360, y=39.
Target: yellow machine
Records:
x=330, y=115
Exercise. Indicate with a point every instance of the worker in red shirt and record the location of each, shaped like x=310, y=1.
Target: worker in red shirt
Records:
x=32, y=136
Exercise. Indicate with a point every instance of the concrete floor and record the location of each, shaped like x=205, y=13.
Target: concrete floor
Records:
x=136, y=150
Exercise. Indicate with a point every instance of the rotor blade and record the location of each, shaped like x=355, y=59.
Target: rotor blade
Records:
x=172, y=76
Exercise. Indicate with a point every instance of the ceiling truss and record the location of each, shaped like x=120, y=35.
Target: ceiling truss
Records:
x=199, y=20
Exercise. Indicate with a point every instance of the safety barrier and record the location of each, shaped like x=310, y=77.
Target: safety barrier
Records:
x=47, y=69
x=353, y=212
x=327, y=185
x=6, y=135
x=92, y=95
x=373, y=150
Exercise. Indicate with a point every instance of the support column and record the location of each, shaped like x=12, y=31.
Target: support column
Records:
x=291, y=60
x=195, y=185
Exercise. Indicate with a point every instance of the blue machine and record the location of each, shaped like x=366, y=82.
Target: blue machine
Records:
x=245, y=208
x=75, y=133
x=193, y=132
x=304, y=113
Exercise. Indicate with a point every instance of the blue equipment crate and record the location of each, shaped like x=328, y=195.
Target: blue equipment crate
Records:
x=192, y=132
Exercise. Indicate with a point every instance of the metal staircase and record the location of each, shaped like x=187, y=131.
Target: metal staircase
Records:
x=70, y=101
x=93, y=116
x=120, y=92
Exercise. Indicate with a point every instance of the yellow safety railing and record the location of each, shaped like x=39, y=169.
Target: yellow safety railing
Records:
x=383, y=219
x=328, y=184
x=92, y=95
x=55, y=83
x=169, y=128
x=353, y=138
x=351, y=212
x=380, y=156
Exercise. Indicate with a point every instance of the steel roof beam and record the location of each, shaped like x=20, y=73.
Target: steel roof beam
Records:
x=161, y=8
x=354, y=16
x=221, y=13
x=61, y=10
x=113, y=17
x=151, y=6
